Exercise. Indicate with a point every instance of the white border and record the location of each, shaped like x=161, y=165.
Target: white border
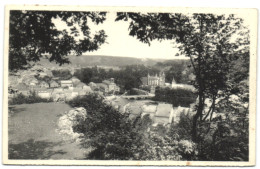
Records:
x=253, y=35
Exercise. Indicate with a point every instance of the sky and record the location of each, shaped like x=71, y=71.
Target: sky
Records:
x=120, y=43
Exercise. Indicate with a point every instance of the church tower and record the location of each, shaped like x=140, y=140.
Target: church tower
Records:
x=162, y=79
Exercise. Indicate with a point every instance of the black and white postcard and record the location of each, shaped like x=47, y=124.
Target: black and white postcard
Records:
x=129, y=86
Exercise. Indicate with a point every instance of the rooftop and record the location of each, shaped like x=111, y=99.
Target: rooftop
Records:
x=163, y=110
x=65, y=81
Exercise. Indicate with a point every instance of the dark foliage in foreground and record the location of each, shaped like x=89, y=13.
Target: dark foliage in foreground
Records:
x=113, y=135
x=33, y=34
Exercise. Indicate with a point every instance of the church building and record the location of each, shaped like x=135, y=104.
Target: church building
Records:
x=157, y=80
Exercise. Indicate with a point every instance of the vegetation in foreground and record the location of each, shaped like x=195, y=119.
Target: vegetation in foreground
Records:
x=114, y=136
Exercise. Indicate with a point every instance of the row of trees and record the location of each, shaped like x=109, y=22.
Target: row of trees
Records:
x=176, y=97
x=127, y=77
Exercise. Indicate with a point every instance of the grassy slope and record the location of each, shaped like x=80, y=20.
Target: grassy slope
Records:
x=32, y=133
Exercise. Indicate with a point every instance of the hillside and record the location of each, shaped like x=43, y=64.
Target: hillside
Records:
x=110, y=61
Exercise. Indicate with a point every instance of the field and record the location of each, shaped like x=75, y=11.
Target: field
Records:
x=32, y=133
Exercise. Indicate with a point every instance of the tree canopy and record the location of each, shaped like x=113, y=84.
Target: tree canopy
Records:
x=33, y=34
x=208, y=40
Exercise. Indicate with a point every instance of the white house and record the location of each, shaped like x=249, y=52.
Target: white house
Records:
x=44, y=93
x=54, y=84
x=75, y=80
x=33, y=82
x=164, y=114
x=66, y=83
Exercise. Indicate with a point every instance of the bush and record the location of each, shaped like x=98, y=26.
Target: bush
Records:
x=176, y=97
x=62, y=74
x=32, y=98
x=182, y=130
x=114, y=136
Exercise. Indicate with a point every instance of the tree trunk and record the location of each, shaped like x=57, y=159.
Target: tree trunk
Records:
x=196, y=117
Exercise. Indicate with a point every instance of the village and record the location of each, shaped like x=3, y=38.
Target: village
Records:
x=110, y=84
x=58, y=90
x=54, y=88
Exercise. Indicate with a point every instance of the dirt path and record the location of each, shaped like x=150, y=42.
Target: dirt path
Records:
x=33, y=135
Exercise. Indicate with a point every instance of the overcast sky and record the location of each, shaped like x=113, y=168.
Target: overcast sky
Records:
x=119, y=43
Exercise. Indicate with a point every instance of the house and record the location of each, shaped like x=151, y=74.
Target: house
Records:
x=66, y=83
x=87, y=89
x=80, y=85
x=44, y=84
x=33, y=82
x=106, y=86
x=42, y=74
x=68, y=94
x=164, y=114
x=49, y=73
x=58, y=94
x=38, y=89
x=23, y=89
x=133, y=109
x=71, y=87
x=119, y=103
x=54, y=84
x=58, y=90
x=111, y=85
x=59, y=97
x=55, y=78
x=93, y=85
x=75, y=80
x=102, y=87
x=45, y=93
x=76, y=92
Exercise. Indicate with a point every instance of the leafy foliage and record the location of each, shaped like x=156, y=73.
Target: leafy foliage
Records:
x=114, y=136
x=33, y=34
x=176, y=97
x=62, y=74
x=210, y=41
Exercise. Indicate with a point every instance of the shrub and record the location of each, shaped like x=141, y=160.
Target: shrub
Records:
x=32, y=98
x=176, y=97
x=114, y=136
